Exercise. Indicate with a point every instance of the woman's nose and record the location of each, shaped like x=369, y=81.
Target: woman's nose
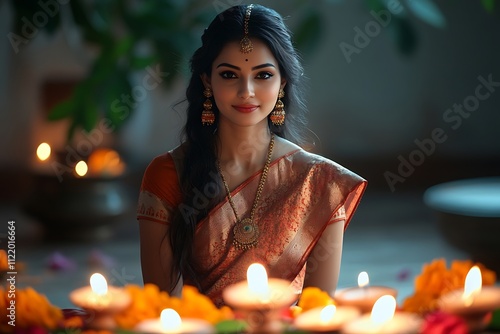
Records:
x=246, y=89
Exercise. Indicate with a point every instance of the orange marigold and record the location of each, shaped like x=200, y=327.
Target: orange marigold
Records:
x=31, y=310
x=149, y=301
x=312, y=297
x=436, y=279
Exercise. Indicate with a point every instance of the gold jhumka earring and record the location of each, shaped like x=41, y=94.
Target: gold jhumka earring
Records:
x=207, y=115
x=278, y=114
x=246, y=45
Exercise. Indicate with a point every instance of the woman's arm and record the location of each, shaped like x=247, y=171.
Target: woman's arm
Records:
x=156, y=256
x=323, y=264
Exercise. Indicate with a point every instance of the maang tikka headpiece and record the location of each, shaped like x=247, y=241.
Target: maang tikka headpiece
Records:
x=246, y=45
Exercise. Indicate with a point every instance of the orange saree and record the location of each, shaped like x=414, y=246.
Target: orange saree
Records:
x=304, y=193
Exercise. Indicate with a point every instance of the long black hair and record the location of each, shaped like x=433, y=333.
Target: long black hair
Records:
x=200, y=183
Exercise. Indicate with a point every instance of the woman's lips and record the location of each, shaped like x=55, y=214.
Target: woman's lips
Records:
x=246, y=108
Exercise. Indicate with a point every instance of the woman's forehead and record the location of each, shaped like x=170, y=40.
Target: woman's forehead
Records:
x=231, y=54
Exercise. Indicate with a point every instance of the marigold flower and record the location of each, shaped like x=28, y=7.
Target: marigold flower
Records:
x=436, y=279
x=32, y=310
x=312, y=297
x=149, y=301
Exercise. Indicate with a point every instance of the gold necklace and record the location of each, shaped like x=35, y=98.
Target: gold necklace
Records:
x=246, y=232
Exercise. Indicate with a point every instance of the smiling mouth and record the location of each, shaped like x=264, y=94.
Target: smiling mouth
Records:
x=245, y=108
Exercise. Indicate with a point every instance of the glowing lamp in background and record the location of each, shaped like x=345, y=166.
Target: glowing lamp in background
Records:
x=105, y=162
x=43, y=151
x=81, y=168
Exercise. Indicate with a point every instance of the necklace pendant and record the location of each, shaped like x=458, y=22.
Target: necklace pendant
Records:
x=246, y=234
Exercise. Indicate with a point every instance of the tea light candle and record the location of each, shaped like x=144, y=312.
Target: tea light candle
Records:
x=260, y=298
x=384, y=320
x=170, y=322
x=364, y=296
x=101, y=300
x=474, y=302
x=259, y=292
x=326, y=319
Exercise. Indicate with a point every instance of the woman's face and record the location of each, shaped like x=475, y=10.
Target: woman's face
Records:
x=245, y=86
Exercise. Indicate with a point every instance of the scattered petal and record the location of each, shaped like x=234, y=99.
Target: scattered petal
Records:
x=59, y=262
x=99, y=259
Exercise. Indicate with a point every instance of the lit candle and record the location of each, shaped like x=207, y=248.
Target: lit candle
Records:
x=363, y=296
x=260, y=298
x=384, y=319
x=326, y=319
x=170, y=322
x=81, y=168
x=43, y=158
x=43, y=151
x=101, y=300
x=473, y=303
x=258, y=291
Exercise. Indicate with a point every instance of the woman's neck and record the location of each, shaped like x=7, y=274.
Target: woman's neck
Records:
x=244, y=148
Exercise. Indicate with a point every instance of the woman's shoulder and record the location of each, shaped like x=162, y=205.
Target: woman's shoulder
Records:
x=324, y=167
x=167, y=160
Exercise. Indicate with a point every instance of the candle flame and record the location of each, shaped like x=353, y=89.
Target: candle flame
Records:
x=81, y=168
x=383, y=309
x=170, y=320
x=43, y=151
x=98, y=284
x=363, y=279
x=327, y=313
x=257, y=279
x=473, y=285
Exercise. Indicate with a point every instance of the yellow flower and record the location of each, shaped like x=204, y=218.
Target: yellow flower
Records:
x=312, y=297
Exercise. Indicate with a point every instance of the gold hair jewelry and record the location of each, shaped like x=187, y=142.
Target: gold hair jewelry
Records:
x=246, y=231
x=207, y=115
x=278, y=113
x=246, y=45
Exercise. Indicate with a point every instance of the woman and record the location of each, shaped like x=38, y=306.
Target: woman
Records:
x=239, y=189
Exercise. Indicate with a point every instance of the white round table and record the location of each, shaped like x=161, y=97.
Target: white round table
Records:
x=469, y=216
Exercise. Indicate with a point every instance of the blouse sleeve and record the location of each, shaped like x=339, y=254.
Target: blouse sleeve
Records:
x=160, y=191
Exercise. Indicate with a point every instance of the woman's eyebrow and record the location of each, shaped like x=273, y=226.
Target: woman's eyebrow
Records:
x=253, y=68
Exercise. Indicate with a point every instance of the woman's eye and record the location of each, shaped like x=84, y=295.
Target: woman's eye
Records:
x=228, y=75
x=264, y=75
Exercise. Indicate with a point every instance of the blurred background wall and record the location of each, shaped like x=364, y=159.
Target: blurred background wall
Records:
x=366, y=111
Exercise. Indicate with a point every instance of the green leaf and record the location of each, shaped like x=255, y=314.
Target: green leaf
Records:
x=62, y=110
x=427, y=11
x=138, y=62
x=375, y=5
x=230, y=326
x=489, y=5
x=116, y=99
x=404, y=35
x=89, y=114
x=309, y=32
